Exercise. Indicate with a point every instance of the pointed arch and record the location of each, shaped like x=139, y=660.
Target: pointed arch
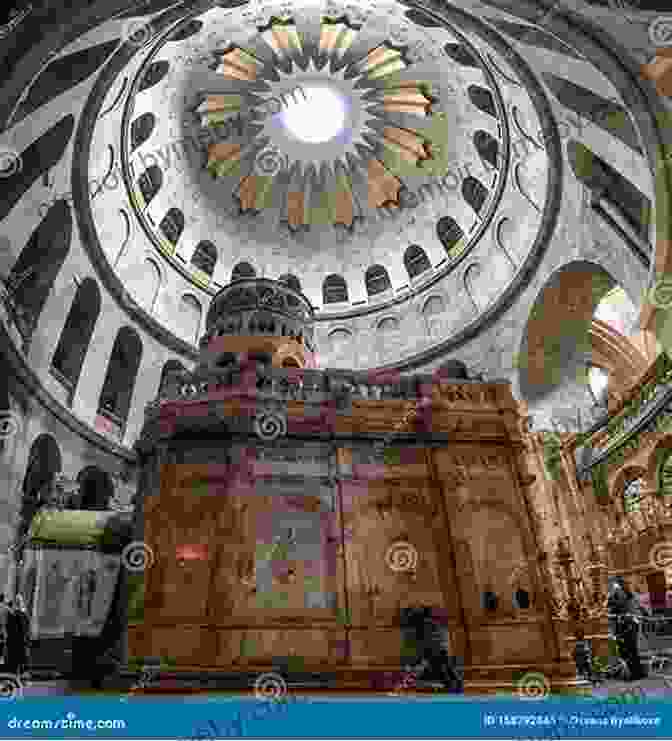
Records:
x=416, y=261
x=376, y=280
x=205, y=257
x=96, y=489
x=334, y=289
x=487, y=147
x=150, y=183
x=243, y=271
x=76, y=334
x=460, y=54
x=292, y=281
x=154, y=74
x=483, y=100
x=141, y=129
x=190, y=317
x=172, y=225
x=450, y=235
x=474, y=193
x=122, y=370
x=169, y=367
x=44, y=463
x=31, y=279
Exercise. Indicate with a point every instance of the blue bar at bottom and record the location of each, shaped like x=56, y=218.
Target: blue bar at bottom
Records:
x=299, y=717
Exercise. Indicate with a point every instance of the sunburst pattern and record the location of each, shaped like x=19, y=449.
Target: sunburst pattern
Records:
x=333, y=182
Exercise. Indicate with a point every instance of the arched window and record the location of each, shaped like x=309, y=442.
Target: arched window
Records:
x=150, y=183
x=334, y=290
x=390, y=324
x=143, y=282
x=377, y=280
x=665, y=474
x=170, y=367
x=632, y=495
x=292, y=281
x=95, y=488
x=141, y=129
x=339, y=339
x=190, y=317
x=449, y=233
x=433, y=306
x=44, y=462
x=290, y=363
x=243, y=270
x=599, y=177
x=598, y=380
x=172, y=225
x=474, y=193
x=122, y=369
x=416, y=261
x=471, y=276
x=76, y=334
x=459, y=53
x=30, y=280
x=521, y=599
x=482, y=98
x=154, y=74
x=487, y=147
x=205, y=257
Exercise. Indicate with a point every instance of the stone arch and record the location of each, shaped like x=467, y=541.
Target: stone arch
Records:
x=122, y=370
x=603, y=181
x=143, y=282
x=150, y=183
x=44, y=463
x=460, y=54
x=627, y=474
x=482, y=99
x=556, y=339
x=76, y=333
x=154, y=74
x=205, y=257
x=292, y=281
x=96, y=488
x=243, y=271
x=339, y=339
x=388, y=324
x=190, y=313
x=376, y=280
x=450, y=234
x=472, y=273
x=416, y=261
x=474, y=193
x=169, y=367
x=334, y=289
x=487, y=147
x=31, y=279
x=172, y=225
x=141, y=129
x=433, y=307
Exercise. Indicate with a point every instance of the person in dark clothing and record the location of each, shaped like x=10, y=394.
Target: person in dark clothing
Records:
x=16, y=640
x=623, y=618
x=430, y=638
x=583, y=655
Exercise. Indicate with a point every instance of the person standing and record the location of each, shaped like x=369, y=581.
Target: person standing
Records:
x=434, y=653
x=4, y=612
x=622, y=613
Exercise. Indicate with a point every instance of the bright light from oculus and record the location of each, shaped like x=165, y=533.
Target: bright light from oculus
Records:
x=317, y=116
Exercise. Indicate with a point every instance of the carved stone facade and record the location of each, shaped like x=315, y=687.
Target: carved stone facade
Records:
x=310, y=542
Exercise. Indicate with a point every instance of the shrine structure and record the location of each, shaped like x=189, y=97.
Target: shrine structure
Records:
x=290, y=514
